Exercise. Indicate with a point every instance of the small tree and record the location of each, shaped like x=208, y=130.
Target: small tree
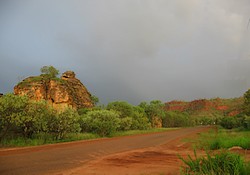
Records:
x=94, y=99
x=49, y=71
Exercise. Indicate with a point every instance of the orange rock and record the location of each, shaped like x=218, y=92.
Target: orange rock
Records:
x=61, y=93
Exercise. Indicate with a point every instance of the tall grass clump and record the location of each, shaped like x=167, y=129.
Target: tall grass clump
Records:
x=223, y=163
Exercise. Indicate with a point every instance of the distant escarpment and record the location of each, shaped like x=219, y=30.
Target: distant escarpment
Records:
x=63, y=92
x=228, y=107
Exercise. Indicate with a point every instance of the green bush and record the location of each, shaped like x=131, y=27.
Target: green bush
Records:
x=63, y=123
x=222, y=163
x=102, y=122
x=125, y=123
x=229, y=122
x=12, y=112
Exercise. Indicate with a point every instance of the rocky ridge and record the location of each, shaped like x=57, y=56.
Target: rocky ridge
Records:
x=230, y=107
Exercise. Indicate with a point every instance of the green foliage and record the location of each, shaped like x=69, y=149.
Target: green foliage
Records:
x=34, y=118
x=229, y=122
x=123, y=108
x=12, y=110
x=177, y=119
x=133, y=117
x=140, y=121
x=94, y=99
x=49, y=71
x=102, y=122
x=218, y=164
x=154, y=111
x=247, y=102
x=125, y=123
x=63, y=123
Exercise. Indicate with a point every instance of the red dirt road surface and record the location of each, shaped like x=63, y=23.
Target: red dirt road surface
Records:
x=132, y=155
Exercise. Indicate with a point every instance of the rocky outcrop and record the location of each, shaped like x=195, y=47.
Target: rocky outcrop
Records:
x=1, y=94
x=63, y=92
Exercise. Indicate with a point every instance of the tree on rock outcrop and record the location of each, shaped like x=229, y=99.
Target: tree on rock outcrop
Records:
x=49, y=71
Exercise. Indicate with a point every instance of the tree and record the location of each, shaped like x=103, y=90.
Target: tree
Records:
x=94, y=99
x=247, y=102
x=49, y=71
x=122, y=107
x=154, y=111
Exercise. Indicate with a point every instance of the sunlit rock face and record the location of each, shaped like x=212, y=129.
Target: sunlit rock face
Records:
x=63, y=92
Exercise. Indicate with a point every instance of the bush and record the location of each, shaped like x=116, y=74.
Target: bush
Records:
x=125, y=123
x=102, y=122
x=63, y=123
x=12, y=110
x=140, y=121
x=229, y=122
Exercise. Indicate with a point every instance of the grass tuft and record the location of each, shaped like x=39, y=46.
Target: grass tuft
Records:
x=223, y=163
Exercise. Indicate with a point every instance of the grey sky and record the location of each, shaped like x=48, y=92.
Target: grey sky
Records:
x=133, y=50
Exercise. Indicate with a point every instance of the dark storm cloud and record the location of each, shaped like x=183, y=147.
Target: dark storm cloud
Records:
x=131, y=50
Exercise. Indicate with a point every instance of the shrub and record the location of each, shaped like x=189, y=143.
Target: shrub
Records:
x=63, y=123
x=228, y=122
x=140, y=121
x=11, y=113
x=125, y=123
x=102, y=122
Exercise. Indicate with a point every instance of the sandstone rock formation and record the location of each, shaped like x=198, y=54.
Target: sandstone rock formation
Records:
x=63, y=92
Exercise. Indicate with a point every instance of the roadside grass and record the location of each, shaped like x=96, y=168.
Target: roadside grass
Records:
x=223, y=139
x=135, y=132
x=223, y=163
x=42, y=139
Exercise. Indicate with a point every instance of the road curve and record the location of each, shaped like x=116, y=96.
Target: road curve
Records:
x=59, y=157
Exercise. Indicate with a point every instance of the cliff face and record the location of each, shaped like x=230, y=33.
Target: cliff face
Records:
x=61, y=93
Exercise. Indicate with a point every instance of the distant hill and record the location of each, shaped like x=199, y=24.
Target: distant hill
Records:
x=207, y=107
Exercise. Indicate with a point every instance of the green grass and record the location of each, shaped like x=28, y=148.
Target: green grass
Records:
x=224, y=139
x=134, y=132
x=49, y=139
x=223, y=163
x=45, y=139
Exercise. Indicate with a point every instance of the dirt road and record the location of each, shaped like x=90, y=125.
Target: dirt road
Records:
x=77, y=157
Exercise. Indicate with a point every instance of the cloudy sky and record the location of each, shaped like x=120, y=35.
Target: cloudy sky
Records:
x=133, y=50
